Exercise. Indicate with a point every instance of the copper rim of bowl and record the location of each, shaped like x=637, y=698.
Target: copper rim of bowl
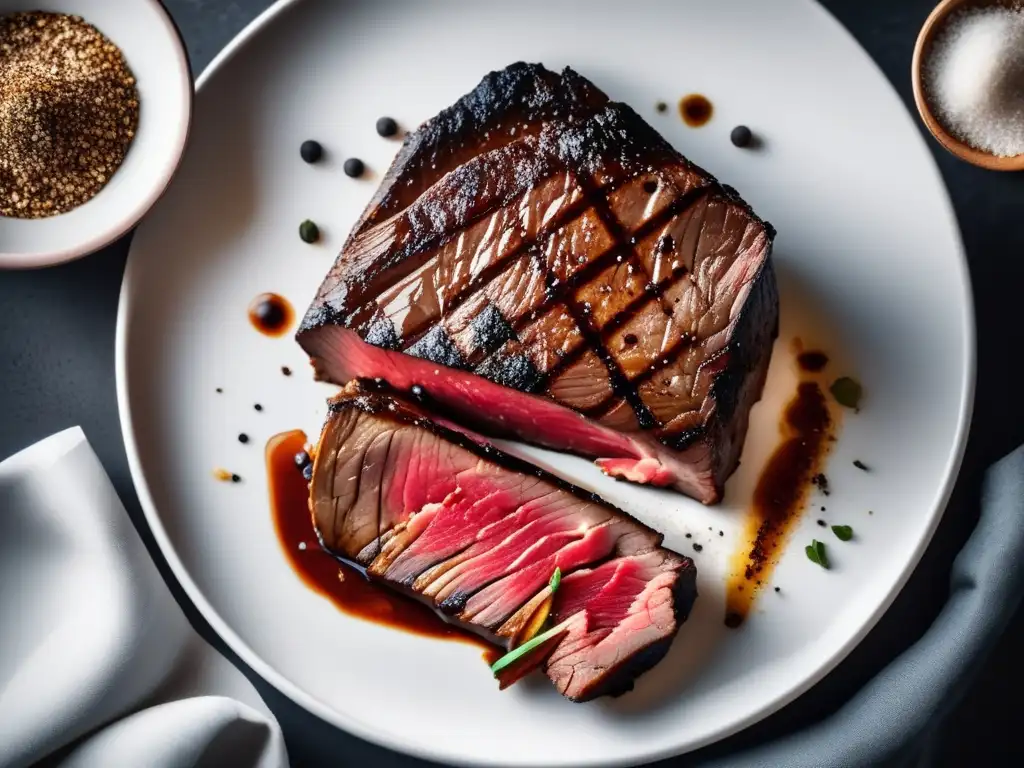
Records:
x=932, y=25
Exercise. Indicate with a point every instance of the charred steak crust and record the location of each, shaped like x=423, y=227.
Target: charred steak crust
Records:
x=441, y=515
x=537, y=235
x=522, y=94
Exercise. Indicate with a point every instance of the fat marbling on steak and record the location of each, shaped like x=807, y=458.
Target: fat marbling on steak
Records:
x=545, y=266
x=437, y=513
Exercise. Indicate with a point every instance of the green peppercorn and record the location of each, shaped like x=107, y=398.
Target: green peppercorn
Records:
x=309, y=232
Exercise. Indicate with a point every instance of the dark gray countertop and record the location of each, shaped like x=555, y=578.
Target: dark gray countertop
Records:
x=57, y=369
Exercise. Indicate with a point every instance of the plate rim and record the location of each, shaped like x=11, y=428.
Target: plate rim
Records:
x=440, y=753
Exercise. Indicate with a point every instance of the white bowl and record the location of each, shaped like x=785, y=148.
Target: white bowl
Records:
x=153, y=48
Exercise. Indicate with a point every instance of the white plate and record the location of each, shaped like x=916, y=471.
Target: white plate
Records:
x=870, y=264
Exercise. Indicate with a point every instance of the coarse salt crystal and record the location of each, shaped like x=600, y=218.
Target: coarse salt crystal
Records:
x=974, y=78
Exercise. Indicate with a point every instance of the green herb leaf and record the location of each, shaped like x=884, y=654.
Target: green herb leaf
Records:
x=847, y=392
x=517, y=653
x=843, y=532
x=556, y=579
x=816, y=553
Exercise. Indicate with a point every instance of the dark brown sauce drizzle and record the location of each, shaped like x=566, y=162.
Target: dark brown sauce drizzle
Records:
x=271, y=314
x=812, y=360
x=780, y=496
x=344, y=586
x=696, y=110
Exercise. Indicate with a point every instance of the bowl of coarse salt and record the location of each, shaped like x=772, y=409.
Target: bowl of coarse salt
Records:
x=95, y=108
x=968, y=75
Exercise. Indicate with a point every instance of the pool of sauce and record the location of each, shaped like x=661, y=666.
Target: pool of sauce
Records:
x=807, y=427
x=344, y=586
x=271, y=314
x=695, y=110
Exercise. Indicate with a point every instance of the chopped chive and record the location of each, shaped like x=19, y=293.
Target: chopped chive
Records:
x=816, y=553
x=843, y=532
x=556, y=579
x=517, y=653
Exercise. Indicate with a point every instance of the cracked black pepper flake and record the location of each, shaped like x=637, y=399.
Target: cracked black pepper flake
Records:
x=220, y=390
x=236, y=478
x=697, y=547
x=243, y=438
x=860, y=465
x=258, y=407
x=69, y=109
x=821, y=483
x=286, y=370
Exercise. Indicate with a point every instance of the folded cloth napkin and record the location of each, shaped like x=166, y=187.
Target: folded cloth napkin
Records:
x=98, y=666
x=897, y=718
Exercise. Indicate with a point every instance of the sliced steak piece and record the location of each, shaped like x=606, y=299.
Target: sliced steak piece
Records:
x=547, y=267
x=434, y=511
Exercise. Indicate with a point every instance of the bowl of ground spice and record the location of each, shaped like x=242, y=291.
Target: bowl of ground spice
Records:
x=95, y=109
x=968, y=78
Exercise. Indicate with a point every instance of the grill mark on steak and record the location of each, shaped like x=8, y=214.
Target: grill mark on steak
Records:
x=542, y=380
x=449, y=259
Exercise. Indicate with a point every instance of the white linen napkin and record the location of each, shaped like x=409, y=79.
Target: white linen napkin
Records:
x=97, y=660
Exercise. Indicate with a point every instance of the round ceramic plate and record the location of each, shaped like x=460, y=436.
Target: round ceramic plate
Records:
x=870, y=266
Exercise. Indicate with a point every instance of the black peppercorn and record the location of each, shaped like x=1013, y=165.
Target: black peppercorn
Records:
x=741, y=136
x=311, y=151
x=354, y=167
x=386, y=127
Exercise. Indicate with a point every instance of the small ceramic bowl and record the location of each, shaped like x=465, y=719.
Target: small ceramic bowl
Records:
x=153, y=48
x=932, y=26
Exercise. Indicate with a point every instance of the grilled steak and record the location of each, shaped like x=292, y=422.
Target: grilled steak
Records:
x=437, y=513
x=546, y=267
